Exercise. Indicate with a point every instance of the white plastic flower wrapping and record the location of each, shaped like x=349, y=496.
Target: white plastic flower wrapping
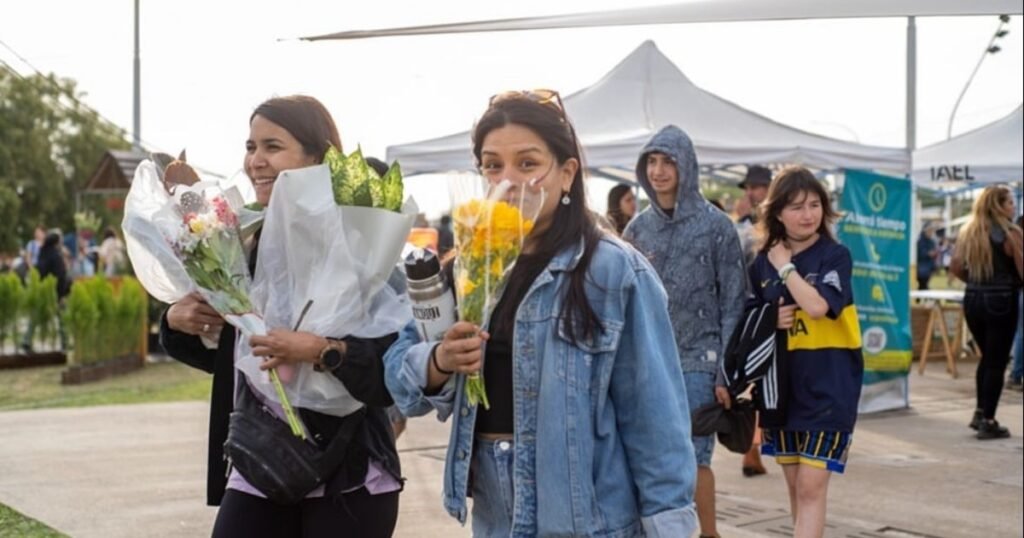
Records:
x=337, y=256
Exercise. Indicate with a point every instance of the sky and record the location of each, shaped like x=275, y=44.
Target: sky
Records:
x=206, y=65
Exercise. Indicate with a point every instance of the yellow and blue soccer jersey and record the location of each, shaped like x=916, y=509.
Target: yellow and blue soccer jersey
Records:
x=826, y=366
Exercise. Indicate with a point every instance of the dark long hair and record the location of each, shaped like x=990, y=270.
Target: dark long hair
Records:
x=787, y=186
x=615, y=214
x=306, y=119
x=571, y=222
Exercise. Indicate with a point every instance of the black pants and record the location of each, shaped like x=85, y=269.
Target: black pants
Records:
x=922, y=281
x=992, y=317
x=363, y=516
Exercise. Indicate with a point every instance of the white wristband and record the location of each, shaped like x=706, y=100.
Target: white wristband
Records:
x=785, y=271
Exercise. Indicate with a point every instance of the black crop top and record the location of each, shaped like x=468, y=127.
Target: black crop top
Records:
x=498, y=351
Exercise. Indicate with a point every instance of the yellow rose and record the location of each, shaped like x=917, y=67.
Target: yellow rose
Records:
x=465, y=285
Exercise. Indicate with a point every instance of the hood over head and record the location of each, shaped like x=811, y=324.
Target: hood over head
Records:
x=675, y=143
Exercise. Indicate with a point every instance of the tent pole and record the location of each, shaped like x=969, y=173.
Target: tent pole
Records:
x=947, y=214
x=911, y=84
x=137, y=97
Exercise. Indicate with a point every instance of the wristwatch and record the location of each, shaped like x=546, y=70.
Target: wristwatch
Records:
x=331, y=356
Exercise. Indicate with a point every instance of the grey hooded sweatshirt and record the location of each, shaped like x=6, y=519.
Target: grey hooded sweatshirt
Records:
x=697, y=254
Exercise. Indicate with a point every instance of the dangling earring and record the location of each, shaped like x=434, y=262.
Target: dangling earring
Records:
x=565, y=198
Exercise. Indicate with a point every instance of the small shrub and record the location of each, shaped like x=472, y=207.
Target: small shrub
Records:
x=82, y=317
x=11, y=298
x=40, y=305
x=106, y=324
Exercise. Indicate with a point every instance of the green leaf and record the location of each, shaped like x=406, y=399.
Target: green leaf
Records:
x=392, y=186
x=355, y=183
x=346, y=176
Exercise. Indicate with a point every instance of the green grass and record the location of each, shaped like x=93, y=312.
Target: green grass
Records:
x=34, y=388
x=15, y=525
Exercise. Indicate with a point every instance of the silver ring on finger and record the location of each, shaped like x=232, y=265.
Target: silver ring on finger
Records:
x=206, y=327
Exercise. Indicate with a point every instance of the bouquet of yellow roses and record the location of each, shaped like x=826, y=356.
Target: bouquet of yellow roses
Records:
x=491, y=223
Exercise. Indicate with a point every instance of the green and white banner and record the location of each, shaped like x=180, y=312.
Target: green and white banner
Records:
x=876, y=229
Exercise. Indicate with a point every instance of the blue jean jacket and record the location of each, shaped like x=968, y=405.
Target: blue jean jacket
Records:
x=602, y=427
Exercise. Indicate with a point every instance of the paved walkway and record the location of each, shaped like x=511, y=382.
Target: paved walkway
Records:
x=139, y=470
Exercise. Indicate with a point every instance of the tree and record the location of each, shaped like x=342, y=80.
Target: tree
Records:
x=49, y=145
x=9, y=236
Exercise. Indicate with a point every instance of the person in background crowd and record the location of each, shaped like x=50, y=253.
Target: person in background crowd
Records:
x=445, y=237
x=927, y=256
x=755, y=187
x=801, y=266
x=20, y=267
x=34, y=245
x=51, y=262
x=947, y=245
x=1016, y=378
x=695, y=250
x=989, y=259
x=621, y=206
x=111, y=253
x=83, y=264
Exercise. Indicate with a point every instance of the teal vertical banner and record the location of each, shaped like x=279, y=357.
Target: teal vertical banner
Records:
x=876, y=229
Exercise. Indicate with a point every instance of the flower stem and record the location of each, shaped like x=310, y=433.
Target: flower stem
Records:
x=476, y=392
x=289, y=411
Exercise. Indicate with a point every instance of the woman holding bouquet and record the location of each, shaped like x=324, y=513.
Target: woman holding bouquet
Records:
x=360, y=498
x=587, y=432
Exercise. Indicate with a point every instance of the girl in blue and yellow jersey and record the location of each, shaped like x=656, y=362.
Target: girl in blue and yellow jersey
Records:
x=802, y=267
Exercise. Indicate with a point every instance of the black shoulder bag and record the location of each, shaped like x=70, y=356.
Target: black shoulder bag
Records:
x=266, y=453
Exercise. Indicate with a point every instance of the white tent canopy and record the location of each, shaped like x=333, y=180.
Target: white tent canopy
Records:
x=709, y=11
x=615, y=117
x=993, y=153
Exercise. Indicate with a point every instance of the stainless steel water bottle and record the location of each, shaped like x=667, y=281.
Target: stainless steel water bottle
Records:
x=433, y=303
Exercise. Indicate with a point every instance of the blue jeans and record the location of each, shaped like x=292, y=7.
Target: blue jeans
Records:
x=1017, y=371
x=993, y=321
x=700, y=390
x=493, y=494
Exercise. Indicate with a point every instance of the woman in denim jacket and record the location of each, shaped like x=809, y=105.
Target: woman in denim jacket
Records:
x=588, y=431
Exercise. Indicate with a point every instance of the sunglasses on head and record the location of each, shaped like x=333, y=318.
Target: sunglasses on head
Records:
x=540, y=96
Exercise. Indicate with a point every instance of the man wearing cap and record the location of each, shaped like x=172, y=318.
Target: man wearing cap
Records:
x=755, y=185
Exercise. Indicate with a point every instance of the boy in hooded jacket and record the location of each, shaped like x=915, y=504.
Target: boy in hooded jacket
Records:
x=696, y=251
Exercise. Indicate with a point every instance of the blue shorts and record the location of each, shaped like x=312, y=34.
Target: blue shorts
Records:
x=824, y=450
x=700, y=390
